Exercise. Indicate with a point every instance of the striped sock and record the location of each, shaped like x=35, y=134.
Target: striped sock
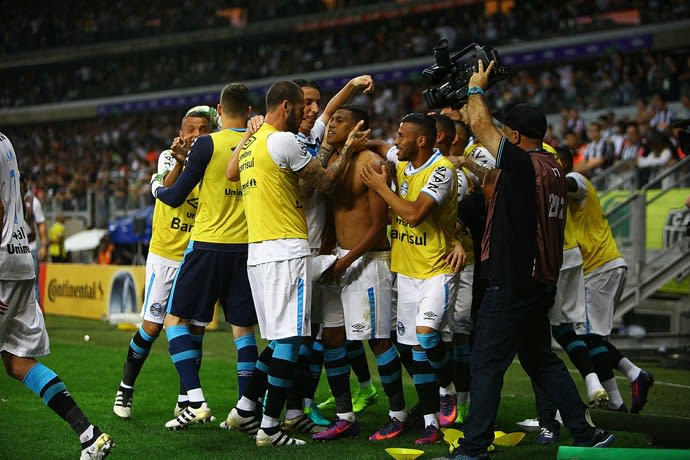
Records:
x=425, y=382
x=247, y=354
x=51, y=389
x=390, y=373
x=338, y=372
x=184, y=354
x=280, y=374
x=437, y=352
x=139, y=348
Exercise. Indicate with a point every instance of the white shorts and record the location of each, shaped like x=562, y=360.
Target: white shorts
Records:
x=423, y=303
x=160, y=275
x=602, y=293
x=362, y=303
x=569, y=304
x=22, y=329
x=460, y=322
x=282, y=297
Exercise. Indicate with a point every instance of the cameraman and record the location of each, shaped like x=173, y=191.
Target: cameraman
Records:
x=521, y=256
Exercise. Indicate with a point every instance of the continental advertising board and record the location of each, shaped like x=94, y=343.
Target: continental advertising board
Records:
x=91, y=291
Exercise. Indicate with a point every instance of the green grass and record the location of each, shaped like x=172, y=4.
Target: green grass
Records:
x=92, y=372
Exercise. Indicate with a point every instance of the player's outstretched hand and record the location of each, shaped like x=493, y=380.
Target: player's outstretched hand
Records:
x=365, y=82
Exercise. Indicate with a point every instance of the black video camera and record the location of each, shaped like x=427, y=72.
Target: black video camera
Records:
x=455, y=72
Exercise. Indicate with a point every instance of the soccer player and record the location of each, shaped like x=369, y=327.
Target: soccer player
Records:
x=311, y=133
x=357, y=295
x=521, y=255
x=422, y=235
x=269, y=167
x=214, y=265
x=170, y=235
x=604, y=277
x=23, y=335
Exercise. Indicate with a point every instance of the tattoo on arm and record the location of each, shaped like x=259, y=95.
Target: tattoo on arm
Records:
x=323, y=179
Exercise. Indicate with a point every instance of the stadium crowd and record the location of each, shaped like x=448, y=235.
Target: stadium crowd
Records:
x=274, y=52
x=102, y=21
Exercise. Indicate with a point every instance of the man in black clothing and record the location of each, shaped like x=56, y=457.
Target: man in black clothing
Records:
x=521, y=255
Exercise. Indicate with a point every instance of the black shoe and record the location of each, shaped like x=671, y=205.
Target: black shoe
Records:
x=600, y=438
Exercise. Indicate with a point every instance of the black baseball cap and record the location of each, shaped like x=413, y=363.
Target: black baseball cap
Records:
x=527, y=119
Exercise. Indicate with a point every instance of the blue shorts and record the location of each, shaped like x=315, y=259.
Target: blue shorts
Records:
x=207, y=276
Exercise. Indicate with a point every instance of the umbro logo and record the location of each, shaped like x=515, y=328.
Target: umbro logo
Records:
x=430, y=315
x=358, y=328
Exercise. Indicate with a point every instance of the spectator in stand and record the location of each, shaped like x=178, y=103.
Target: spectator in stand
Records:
x=634, y=145
x=644, y=114
x=575, y=123
x=659, y=156
x=598, y=153
x=663, y=116
x=107, y=252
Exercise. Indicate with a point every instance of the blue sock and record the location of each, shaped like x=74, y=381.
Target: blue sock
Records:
x=184, y=355
x=247, y=354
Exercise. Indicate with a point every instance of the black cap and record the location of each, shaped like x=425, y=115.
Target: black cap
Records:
x=527, y=119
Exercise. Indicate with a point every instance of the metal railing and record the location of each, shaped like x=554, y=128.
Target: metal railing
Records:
x=94, y=209
x=648, y=269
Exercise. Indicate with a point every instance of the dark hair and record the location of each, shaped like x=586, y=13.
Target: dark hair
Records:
x=358, y=112
x=425, y=124
x=634, y=124
x=444, y=123
x=566, y=157
x=283, y=91
x=235, y=99
x=302, y=83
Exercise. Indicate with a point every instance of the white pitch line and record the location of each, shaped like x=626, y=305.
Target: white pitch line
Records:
x=656, y=382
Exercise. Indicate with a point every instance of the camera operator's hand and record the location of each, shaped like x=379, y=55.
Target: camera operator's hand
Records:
x=481, y=77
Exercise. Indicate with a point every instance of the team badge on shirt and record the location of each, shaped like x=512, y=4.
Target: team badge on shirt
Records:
x=404, y=188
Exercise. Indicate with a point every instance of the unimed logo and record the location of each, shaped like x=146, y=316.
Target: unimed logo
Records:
x=93, y=290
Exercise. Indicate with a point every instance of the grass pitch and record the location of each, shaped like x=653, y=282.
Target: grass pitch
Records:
x=92, y=371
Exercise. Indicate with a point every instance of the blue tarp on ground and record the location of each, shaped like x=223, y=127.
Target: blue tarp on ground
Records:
x=123, y=231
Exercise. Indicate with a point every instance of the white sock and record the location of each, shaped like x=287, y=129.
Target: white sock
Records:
x=400, y=415
x=246, y=404
x=592, y=383
x=431, y=419
x=349, y=416
x=291, y=414
x=127, y=387
x=449, y=390
x=628, y=368
x=268, y=422
x=615, y=398
x=86, y=435
x=196, y=395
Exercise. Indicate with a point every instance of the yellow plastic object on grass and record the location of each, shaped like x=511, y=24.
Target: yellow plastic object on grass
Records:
x=451, y=436
x=509, y=439
x=400, y=453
